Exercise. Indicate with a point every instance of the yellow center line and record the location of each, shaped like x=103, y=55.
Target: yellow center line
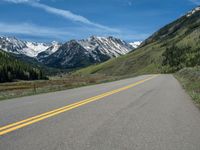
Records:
x=37, y=118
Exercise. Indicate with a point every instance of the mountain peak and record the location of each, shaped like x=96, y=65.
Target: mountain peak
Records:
x=55, y=43
x=94, y=38
x=112, y=37
x=72, y=41
x=81, y=53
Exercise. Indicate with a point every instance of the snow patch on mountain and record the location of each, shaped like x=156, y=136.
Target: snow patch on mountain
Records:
x=50, y=50
x=136, y=44
x=54, y=47
x=37, y=47
x=110, y=46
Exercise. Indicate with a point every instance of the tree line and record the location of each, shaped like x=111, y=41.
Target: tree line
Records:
x=12, y=69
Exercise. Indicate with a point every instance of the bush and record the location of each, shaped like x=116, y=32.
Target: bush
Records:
x=176, y=58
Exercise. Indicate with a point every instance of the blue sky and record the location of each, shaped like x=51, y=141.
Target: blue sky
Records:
x=62, y=20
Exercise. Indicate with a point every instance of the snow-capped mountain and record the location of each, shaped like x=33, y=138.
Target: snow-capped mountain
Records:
x=12, y=45
x=50, y=50
x=81, y=53
x=136, y=44
x=72, y=54
x=110, y=46
x=31, y=49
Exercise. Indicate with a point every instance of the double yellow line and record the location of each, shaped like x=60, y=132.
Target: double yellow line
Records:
x=29, y=121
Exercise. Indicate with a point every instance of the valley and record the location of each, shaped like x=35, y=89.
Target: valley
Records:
x=100, y=75
x=56, y=62
x=99, y=59
x=170, y=49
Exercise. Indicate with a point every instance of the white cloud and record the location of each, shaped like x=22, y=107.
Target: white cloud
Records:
x=21, y=1
x=196, y=2
x=63, y=34
x=66, y=32
x=63, y=13
x=33, y=30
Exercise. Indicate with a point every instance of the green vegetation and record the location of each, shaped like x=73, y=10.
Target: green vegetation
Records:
x=13, y=69
x=142, y=61
x=190, y=79
x=176, y=58
x=35, y=64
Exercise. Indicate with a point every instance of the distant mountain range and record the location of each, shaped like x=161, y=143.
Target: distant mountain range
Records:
x=81, y=53
x=31, y=49
x=72, y=54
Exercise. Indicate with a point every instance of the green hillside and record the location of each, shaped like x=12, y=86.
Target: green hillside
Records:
x=172, y=48
x=13, y=69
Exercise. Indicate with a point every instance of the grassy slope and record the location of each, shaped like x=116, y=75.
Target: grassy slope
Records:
x=143, y=61
x=190, y=79
x=183, y=33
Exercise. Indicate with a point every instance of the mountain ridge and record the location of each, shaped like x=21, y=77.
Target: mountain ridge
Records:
x=82, y=53
x=17, y=46
x=86, y=51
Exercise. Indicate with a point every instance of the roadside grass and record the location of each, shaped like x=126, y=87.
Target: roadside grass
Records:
x=56, y=83
x=190, y=79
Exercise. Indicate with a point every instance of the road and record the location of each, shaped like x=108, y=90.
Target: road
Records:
x=144, y=113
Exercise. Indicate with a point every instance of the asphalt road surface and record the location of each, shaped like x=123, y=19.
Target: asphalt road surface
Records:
x=143, y=113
